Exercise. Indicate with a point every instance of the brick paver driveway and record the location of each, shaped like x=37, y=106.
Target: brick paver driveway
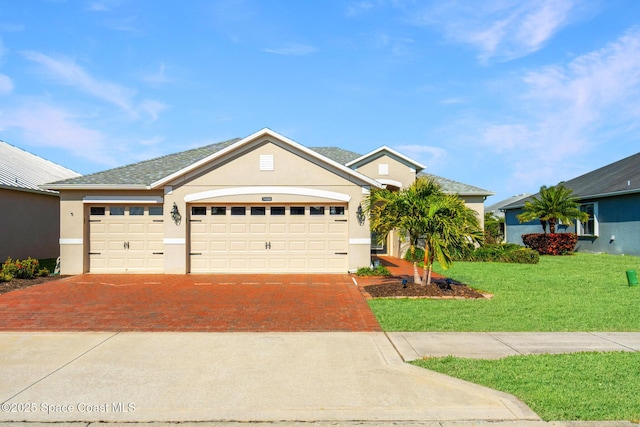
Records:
x=214, y=303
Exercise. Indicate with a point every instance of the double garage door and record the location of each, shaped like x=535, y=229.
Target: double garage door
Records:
x=223, y=239
x=268, y=239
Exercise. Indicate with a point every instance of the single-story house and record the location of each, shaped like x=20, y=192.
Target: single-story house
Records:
x=263, y=203
x=30, y=225
x=611, y=197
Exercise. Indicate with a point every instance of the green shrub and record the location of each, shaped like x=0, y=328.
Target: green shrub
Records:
x=4, y=277
x=504, y=252
x=417, y=256
x=20, y=269
x=379, y=270
x=43, y=272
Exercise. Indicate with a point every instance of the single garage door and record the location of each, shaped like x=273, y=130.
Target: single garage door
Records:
x=268, y=239
x=126, y=239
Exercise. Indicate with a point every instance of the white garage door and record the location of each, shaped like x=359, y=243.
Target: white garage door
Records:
x=268, y=239
x=126, y=239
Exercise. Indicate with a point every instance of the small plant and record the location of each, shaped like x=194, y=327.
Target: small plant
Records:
x=20, y=269
x=5, y=277
x=379, y=270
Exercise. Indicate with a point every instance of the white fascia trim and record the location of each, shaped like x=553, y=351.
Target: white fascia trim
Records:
x=122, y=199
x=390, y=150
x=361, y=241
x=243, y=191
x=71, y=241
x=262, y=133
x=390, y=182
x=174, y=241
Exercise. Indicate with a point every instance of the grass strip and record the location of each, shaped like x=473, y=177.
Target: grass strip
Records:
x=582, y=386
x=580, y=293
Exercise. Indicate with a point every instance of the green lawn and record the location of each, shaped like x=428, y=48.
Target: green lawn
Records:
x=582, y=292
x=582, y=386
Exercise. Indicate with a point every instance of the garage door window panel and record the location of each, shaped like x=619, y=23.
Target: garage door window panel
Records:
x=277, y=210
x=258, y=210
x=198, y=210
x=116, y=210
x=316, y=210
x=238, y=210
x=218, y=210
x=296, y=210
x=136, y=211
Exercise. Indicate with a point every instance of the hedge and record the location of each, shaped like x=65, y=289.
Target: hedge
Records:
x=551, y=243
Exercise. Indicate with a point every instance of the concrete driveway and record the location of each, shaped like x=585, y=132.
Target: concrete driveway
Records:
x=137, y=376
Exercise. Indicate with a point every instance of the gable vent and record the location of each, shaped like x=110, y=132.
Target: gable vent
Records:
x=266, y=162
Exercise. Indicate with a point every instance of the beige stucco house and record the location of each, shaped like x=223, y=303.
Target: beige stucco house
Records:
x=29, y=215
x=260, y=204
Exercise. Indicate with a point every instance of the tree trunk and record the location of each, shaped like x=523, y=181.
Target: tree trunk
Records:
x=416, y=273
x=543, y=223
x=428, y=262
x=552, y=225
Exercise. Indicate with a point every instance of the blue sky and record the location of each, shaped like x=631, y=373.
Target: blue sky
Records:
x=506, y=95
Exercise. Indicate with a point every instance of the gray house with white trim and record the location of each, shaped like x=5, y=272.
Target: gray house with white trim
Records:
x=611, y=197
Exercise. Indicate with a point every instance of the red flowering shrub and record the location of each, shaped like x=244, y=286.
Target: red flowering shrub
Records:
x=552, y=243
x=20, y=269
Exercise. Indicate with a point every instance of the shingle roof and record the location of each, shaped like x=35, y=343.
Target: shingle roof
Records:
x=455, y=187
x=22, y=170
x=149, y=171
x=336, y=154
x=619, y=177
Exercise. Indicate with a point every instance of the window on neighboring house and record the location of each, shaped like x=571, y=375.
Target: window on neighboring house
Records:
x=590, y=226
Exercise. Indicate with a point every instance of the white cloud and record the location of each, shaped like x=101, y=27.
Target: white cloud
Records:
x=501, y=29
x=292, y=49
x=159, y=76
x=69, y=73
x=6, y=84
x=567, y=110
x=425, y=154
x=153, y=108
x=48, y=126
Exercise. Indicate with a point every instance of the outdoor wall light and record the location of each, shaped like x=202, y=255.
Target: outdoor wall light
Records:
x=360, y=215
x=175, y=214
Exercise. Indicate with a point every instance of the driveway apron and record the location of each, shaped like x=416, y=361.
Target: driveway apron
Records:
x=195, y=303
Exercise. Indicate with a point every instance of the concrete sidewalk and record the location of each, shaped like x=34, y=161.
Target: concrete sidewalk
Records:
x=495, y=345
x=177, y=377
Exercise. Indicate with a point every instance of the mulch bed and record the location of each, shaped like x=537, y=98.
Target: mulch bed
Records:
x=392, y=287
x=15, y=284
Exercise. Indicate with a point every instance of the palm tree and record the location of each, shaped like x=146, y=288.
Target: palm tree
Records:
x=449, y=226
x=423, y=211
x=555, y=204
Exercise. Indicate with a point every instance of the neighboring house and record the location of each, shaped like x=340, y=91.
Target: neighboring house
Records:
x=497, y=209
x=262, y=204
x=611, y=197
x=30, y=216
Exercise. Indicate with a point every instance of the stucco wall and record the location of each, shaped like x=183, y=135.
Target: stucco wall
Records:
x=241, y=171
x=397, y=171
x=29, y=225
